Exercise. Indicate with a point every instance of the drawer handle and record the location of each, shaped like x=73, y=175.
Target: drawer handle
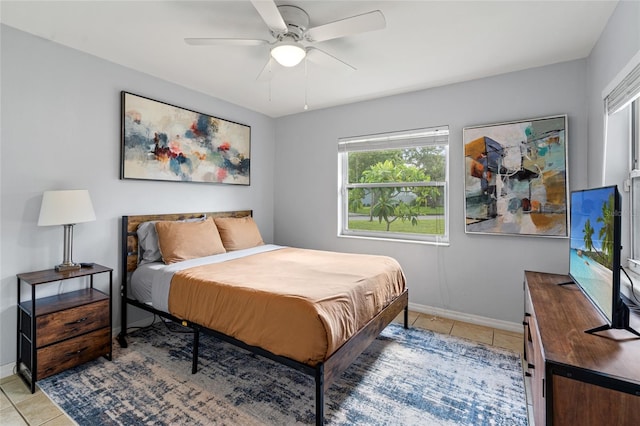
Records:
x=531, y=366
x=80, y=350
x=77, y=321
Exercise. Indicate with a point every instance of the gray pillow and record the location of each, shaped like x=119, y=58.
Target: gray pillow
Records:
x=148, y=249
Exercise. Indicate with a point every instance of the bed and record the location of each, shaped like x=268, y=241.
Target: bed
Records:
x=311, y=310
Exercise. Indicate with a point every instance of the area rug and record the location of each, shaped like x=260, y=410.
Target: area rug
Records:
x=406, y=377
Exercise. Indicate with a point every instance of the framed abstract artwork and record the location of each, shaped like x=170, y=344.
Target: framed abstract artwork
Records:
x=169, y=143
x=516, y=179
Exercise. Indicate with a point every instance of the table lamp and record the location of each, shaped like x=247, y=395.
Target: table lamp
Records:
x=66, y=208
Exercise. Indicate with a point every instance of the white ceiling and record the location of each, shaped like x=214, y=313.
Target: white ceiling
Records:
x=425, y=44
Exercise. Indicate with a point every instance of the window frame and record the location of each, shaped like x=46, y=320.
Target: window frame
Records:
x=423, y=137
x=634, y=181
x=624, y=92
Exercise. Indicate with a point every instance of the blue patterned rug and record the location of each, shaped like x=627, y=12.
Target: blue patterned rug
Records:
x=406, y=377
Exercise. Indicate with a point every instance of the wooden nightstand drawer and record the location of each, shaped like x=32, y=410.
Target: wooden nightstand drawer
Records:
x=72, y=352
x=72, y=322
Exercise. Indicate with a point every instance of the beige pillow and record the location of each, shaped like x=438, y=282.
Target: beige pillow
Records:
x=148, y=250
x=238, y=232
x=187, y=240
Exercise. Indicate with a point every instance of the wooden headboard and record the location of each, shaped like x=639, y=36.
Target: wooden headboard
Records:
x=130, y=226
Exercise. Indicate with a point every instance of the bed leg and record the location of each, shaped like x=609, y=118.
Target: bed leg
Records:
x=196, y=344
x=320, y=394
x=406, y=316
x=121, y=338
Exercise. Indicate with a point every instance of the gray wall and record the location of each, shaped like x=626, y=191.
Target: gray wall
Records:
x=477, y=274
x=617, y=45
x=619, y=42
x=61, y=130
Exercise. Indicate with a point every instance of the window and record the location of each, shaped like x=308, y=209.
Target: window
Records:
x=622, y=105
x=394, y=185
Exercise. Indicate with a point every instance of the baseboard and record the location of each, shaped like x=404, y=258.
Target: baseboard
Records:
x=144, y=322
x=470, y=318
x=626, y=286
x=7, y=370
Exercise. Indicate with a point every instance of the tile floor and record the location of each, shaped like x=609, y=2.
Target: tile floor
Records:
x=19, y=407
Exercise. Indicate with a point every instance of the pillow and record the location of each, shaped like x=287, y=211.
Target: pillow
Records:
x=238, y=232
x=148, y=250
x=187, y=240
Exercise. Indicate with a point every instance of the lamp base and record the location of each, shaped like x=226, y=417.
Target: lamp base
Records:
x=67, y=267
x=67, y=263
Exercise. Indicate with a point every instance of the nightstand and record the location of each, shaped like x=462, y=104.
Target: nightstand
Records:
x=61, y=331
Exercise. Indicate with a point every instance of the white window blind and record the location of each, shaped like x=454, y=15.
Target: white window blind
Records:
x=625, y=92
x=403, y=139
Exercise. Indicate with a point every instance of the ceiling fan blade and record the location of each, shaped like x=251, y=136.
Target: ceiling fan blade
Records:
x=369, y=21
x=225, y=41
x=321, y=57
x=270, y=14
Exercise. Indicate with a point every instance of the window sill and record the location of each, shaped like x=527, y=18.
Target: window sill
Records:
x=396, y=240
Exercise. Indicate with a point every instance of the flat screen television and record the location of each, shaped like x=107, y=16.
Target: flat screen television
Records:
x=594, y=262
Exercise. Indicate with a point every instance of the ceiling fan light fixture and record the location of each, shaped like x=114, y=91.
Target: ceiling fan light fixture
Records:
x=288, y=53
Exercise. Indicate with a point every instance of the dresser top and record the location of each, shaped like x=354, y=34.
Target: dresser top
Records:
x=563, y=313
x=50, y=275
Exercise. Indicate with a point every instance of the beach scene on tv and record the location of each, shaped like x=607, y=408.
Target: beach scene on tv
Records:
x=592, y=244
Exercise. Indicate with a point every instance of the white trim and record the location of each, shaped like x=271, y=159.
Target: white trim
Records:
x=140, y=323
x=625, y=285
x=7, y=370
x=433, y=136
x=437, y=241
x=633, y=62
x=605, y=118
x=403, y=138
x=624, y=72
x=633, y=267
x=470, y=318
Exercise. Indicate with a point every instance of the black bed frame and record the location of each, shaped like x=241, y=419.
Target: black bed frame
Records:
x=324, y=373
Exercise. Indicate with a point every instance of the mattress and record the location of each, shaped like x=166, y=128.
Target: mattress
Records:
x=297, y=303
x=150, y=282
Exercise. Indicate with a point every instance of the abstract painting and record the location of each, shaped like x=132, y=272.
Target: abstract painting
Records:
x=516, y=180
x=169, y=143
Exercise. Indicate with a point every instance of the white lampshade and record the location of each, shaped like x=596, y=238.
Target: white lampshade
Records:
x=288, y=52
x=66, y=208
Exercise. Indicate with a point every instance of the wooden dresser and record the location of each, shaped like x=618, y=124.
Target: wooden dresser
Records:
x=61, y=331
x=577, y=378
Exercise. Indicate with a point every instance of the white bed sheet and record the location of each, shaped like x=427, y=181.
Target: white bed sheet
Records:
x=150, y=283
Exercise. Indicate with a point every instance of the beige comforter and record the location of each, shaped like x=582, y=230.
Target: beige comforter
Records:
x=298, y=303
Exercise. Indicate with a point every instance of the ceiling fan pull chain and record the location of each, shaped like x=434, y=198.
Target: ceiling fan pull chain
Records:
x=270, y=78
x=306, y=80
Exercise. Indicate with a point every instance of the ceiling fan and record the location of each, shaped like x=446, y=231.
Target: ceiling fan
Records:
x=292, y=37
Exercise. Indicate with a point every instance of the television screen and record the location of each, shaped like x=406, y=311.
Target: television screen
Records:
x=594, y=262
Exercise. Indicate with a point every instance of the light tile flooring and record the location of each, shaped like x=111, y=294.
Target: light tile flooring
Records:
x=19, y=407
